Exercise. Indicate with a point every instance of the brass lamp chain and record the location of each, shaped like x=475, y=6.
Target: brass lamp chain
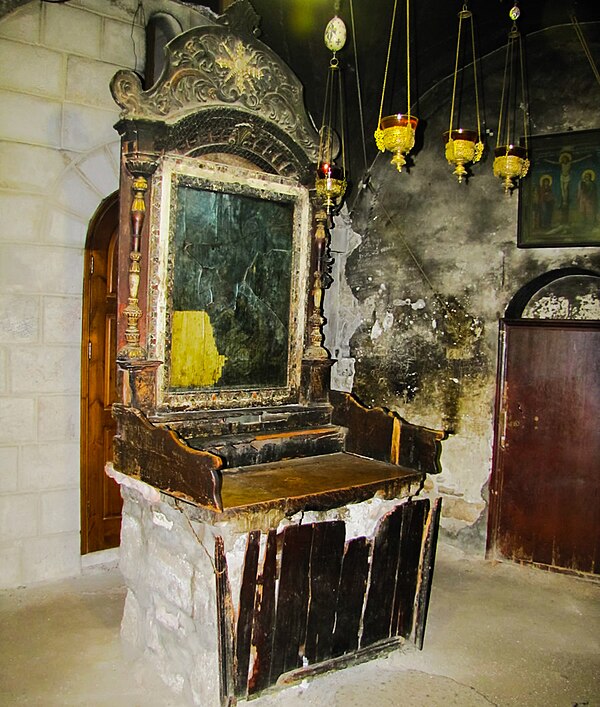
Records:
x=342, y=124
x=514, y=40
x=463, y=14
x=507, y=64
x=460, y=19
x=475, y=80
x=387, y=62
x=358, y=86
x=326, y=134
x=586, y=49
x=524, y=106
x=408, y=57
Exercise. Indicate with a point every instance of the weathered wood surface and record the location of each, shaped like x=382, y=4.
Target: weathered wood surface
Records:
x=247, y=450
x=264, y=619
x=377, y=620
x=381, y=434
x=196, y=426
x=411, y=539
x=351, y=596
x=225, y=626
x=292, y=599
x=342, y=661
x=316, y=483
x=246, y=612
x=545, y=484
x=158, y=457
x=325, y=567
x=318, y=598
x=426, y=573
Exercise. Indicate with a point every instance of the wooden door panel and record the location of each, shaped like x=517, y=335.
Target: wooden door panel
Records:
x=101, y=500
x=546, y=480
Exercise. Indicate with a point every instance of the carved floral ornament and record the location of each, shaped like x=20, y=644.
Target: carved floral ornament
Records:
x=208, y=67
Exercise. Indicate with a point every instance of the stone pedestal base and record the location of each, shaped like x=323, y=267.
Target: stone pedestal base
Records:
x=220, y=611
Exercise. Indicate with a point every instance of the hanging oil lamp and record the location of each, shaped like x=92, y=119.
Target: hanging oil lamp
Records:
x=511, y=162
x=396, y=133
x=463, y=146
x=330, y=182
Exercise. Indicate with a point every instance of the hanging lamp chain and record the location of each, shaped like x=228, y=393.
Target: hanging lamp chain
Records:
x=586, y=49
x=463, y=15
x=460, y=19
x=524, y=107
x=475, y=82
x=358, y=86
x=387, y=61
x=408, y=57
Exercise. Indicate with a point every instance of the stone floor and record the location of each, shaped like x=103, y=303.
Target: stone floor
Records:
x=497, y=634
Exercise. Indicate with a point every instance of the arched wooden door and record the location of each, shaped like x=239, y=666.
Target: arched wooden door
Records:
x=545, y=485
x=100, y=497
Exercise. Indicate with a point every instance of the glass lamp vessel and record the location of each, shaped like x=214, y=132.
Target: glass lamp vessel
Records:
x=330, y=180
x=511, y=160
x=463, y=146
x=396, y=133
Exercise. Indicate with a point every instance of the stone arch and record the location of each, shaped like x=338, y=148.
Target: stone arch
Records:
x=77, y=192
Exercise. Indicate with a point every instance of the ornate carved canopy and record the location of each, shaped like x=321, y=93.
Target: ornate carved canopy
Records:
x=223, y=91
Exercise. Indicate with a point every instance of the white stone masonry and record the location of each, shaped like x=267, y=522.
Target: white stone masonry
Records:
x=59, y=158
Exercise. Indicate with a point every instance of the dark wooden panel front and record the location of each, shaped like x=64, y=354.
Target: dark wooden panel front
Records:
x=292, y=600
x=264, y=620
x=325, y=567
x=384, y=567
x=246, y=611
x=413, y=522
x=545, y=505
x=317, y=597
x=353, y=585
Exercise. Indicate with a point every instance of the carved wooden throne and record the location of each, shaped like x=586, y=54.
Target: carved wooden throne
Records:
x=223, y=377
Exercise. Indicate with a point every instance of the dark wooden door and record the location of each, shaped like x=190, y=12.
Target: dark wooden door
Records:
x=101, y=500
x=545, y=489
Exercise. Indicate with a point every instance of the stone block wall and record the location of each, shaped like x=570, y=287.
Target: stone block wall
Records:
x=59, y=158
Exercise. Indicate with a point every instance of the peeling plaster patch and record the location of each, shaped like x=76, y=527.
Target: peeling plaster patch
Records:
x=376, y=331
x=419, y=304
x=461, y=510
x=552, y=307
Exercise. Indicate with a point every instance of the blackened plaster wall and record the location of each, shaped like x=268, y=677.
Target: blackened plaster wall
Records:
x=428, y=267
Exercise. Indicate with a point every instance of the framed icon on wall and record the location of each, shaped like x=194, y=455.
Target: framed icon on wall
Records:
x=559, y=199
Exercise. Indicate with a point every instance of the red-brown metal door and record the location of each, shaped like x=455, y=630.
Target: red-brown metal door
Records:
x=545, y=487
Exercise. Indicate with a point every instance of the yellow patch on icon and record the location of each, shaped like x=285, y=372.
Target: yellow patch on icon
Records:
x=195, y=359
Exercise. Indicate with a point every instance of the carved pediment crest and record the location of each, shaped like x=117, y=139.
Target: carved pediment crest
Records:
x=211, y=67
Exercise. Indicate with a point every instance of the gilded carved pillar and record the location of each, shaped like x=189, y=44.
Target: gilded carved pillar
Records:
x=141, y=169
x=320, y=282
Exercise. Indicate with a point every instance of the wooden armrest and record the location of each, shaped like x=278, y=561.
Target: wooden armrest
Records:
x=381, y=434
x=157, y=456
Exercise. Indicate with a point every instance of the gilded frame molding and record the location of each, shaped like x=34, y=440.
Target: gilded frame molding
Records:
x=236, y=180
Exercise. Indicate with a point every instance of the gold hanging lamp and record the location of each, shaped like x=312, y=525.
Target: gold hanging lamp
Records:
x=330, y=182
x=463, y=146
x=396, y=133
x=511, y=161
